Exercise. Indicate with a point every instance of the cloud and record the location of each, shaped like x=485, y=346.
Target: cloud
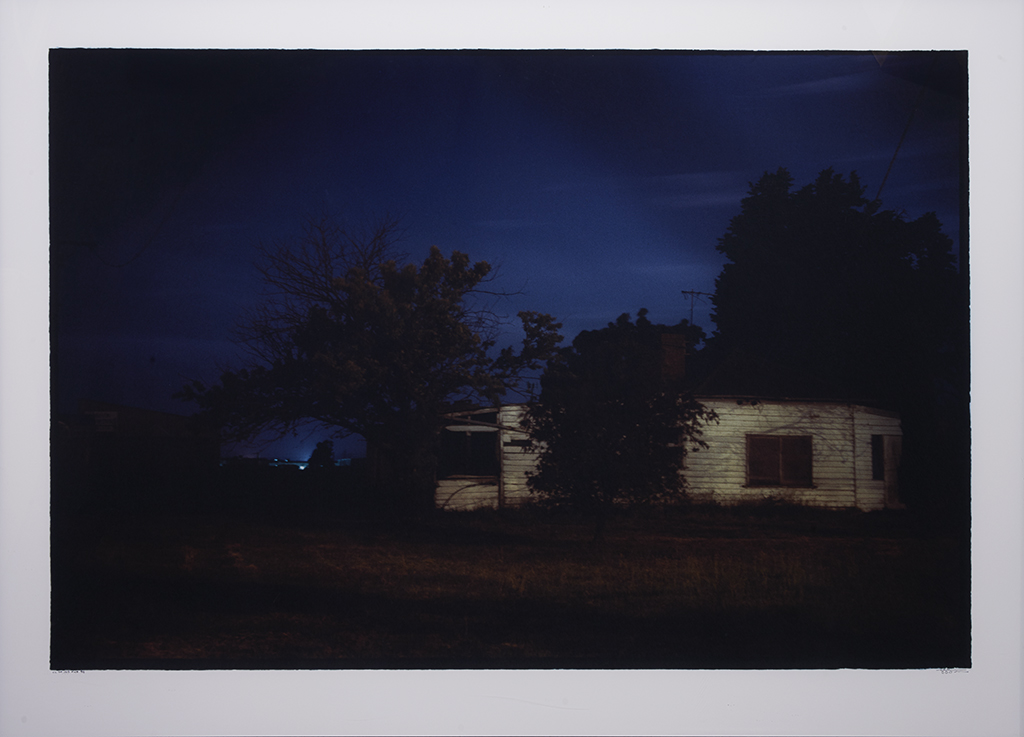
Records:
x=508, y=224
x=668, y=271
x=699, y=178
x=701, y=199
x=943, y=184
x=829, y=85
x=582, y=183
x=915, y=146
x=699, y=189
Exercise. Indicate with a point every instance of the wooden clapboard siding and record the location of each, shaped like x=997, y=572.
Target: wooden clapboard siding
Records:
x=467, y=492
x=840, y=456
x=517, y=461
x=841, y=451
x=868, y=422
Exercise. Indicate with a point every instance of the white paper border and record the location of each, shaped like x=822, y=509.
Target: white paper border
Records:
x=985, y=701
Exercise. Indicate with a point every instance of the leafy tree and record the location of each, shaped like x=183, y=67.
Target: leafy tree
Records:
x=348, y=337
x=828, y=286
x=322, y=456
x=613, y=421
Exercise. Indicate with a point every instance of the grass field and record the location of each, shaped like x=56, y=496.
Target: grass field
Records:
x=706, y=588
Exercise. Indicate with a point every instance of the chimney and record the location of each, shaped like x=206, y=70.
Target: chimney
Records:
x=673, y=358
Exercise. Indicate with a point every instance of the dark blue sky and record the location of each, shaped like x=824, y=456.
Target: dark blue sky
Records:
x=598, y=183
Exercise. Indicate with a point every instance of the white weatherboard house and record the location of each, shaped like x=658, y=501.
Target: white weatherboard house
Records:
x=819, y=453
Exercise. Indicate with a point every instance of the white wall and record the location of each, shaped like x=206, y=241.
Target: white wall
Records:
x=841, y=447
x=516, y=461
x=841, y=460
x=870, y=493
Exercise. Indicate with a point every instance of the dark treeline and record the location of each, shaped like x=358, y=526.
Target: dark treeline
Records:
x=827, y=294
x=239, y=488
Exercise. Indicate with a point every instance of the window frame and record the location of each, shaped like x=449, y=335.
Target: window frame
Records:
x=789, y=451
x=878, y=457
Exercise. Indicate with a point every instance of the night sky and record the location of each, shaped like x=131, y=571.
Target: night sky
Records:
x=597, y=183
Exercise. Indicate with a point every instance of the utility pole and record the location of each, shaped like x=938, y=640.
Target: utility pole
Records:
x=694, y=296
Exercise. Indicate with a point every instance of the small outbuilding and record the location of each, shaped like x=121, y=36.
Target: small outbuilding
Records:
x=821, y=453
x=485, y=459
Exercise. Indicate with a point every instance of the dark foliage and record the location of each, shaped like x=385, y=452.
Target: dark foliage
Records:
x=349, y=337
x=838, y=294
x=613, y=421
x=323, y=455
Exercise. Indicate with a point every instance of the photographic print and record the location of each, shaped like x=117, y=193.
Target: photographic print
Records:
x=509, y=360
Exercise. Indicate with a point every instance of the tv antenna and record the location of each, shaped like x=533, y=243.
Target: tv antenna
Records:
x=694, y=296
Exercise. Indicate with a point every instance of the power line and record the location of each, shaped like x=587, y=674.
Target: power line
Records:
x=906, y=129
x=694, y=296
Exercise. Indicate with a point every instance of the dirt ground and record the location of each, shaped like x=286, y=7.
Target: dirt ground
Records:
x=700, y=589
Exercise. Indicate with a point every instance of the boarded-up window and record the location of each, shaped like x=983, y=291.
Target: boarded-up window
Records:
x=878, y=458
x=779, y=460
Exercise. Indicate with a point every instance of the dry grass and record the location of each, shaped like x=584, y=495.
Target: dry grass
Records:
x=488, y=590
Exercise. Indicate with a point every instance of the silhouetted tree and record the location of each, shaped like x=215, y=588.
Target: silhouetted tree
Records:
x=825, y=284
x=350, y=338
x=613, y=421
x=323, y=455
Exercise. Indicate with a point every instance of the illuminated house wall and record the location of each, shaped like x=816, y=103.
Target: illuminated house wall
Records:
x=816, y=453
